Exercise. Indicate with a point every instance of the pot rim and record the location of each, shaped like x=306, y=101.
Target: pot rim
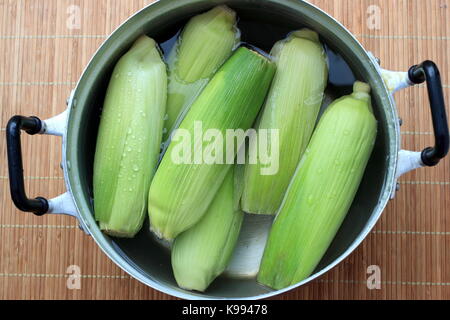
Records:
x=88, y=223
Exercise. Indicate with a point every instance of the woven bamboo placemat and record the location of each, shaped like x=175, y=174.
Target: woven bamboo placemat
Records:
x=43, y=50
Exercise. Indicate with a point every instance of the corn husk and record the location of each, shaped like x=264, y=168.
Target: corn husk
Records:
x=321, y=191
x=181, y=192
x=129, y=139
x=201, y=254
x=292, y=107
x=205, y=43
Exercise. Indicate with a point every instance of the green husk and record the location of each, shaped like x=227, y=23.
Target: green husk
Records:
x=205, y=43
x=321, y=191
x=201, y=254
x=129, y=139
x=181, y=193
x=292, y=107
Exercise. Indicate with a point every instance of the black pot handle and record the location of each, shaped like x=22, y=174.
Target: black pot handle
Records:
x=31, y=125
x=428, y=71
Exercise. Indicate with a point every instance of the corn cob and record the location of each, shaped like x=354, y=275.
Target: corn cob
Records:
x=205, y=43
x=202, y=253
x=321, y=191
x=181, y=193
x=292, y=106
x=129, y=139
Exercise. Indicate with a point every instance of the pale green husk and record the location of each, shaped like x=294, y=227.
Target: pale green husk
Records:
x=129, y=139
x=205, y=43
x=181, y=193
x=202, y=253
x=321, y=191
x=292, y=108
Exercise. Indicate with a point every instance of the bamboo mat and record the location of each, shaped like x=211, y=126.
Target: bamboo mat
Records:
x=40, y=61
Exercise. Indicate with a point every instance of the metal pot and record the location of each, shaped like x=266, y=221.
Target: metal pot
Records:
x=143, y=257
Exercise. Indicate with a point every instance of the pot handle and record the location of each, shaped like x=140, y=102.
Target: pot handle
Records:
x=63, y=203
x=32, y=126
x=427, y=72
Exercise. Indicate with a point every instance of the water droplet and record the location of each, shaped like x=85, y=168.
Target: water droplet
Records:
x=164, y=130
x=131, y=189
x=337, y=162
x=124, y=154
x=166, y=116
x=117, y=75
x=135, y=168
x=129, y=74
x=129, y=131
x=69, y=166
x=346, y=132
x=129, y=149
x=133, y=136
x=310, y=200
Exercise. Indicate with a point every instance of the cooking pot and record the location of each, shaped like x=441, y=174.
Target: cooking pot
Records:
x=263, y=22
